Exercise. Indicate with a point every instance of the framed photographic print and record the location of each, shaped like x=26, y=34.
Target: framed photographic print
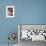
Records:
x=10, y=11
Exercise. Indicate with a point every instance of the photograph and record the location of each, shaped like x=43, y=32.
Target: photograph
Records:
x=30, y=33
x=10, y=11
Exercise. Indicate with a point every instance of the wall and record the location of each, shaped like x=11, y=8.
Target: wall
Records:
x=7, y=25
x=27, y=12
x=31, y=11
